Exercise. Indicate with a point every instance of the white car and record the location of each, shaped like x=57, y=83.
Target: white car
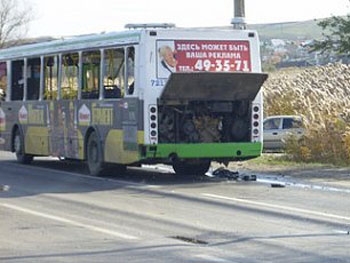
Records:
x=278, y=128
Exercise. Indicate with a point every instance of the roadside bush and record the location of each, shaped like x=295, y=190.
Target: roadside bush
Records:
x=321, y=95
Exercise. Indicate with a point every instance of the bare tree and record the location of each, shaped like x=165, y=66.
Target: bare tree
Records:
x=15, y=16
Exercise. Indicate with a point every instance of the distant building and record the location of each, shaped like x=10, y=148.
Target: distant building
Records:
x=278, y=43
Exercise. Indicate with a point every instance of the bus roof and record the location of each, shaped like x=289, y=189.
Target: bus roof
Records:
x=84, y=42
x=73, y=43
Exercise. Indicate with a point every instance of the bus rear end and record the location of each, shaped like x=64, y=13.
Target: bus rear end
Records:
x=203, y=101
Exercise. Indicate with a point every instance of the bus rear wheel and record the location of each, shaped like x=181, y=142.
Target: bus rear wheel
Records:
x=192, y=168
x=18, y=146
x=94, y=155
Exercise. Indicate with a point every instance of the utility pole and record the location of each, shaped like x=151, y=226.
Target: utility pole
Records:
x=238, y=21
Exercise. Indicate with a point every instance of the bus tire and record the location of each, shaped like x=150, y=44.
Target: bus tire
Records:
x=193, y=168
x=18, y=146
x=94, y=155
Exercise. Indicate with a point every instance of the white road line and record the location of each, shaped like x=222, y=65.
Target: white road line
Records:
x=68, y=221
x=209, y=258
x=279, y=207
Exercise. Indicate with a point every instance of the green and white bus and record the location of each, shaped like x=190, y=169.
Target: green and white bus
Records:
x=153, y=93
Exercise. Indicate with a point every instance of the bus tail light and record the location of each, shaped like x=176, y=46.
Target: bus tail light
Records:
x=153, y=125
x=256, y=123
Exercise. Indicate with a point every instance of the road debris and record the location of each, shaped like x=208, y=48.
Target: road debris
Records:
x=191, y=240
x=4, y=187
x=231, y=175
x=278, y=185
x=225, y=173
x=251, y=177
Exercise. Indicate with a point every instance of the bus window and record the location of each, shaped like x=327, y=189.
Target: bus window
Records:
x=113, y=80
x=3, y=80
x=51, y=73
x=130, y=75
x=91, y=74
x=70, y=76
x=17, y=81
x=33, y=79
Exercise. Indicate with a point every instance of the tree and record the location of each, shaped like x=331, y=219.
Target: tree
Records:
x=15, y=16
x=336, y=33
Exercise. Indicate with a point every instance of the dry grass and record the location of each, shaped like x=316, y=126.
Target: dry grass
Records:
x=321, y=94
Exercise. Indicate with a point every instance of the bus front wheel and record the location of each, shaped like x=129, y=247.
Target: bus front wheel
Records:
x=18, y=146
x=94, y=155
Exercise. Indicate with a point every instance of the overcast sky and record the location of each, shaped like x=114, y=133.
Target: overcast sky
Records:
x=74, y=17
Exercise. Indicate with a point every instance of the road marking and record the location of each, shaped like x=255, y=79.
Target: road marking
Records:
x=286, y=208
x=209, y=258
x=68, y=221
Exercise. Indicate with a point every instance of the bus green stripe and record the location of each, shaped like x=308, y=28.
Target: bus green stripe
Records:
x=205, y=150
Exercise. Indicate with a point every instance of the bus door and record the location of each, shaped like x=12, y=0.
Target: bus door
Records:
x=130, y=107
x=130, y=113
x=122, y=143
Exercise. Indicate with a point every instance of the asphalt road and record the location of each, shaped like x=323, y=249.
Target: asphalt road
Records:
x=54, y=212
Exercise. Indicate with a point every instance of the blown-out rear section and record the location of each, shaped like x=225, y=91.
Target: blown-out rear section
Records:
x=205, y=116
x=211, y=86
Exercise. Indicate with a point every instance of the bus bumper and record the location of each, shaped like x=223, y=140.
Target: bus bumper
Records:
x=233, y=151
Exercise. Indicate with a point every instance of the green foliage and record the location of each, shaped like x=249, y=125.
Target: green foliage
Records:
x=336, y=35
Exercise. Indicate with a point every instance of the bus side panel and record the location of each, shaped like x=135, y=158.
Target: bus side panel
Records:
x=119, y=125
x=36, y=141
x=114, y=148
x=59, y=128
x=65, y=139
x=122, y=144
x=31, y=118
x=6, y=124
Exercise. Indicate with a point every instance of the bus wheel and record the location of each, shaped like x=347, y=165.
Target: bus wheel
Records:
x=18, y=145
x=191, y=168
x=94, y=155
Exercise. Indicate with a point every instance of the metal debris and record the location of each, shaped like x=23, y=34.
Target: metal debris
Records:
x=191, y=240
x=251, y=177
x=4, y=187
x=278, y=185
x=232, y=175
x=225, y=173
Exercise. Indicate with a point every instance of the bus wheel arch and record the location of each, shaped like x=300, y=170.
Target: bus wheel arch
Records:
x=18, y=146
x=94, y=152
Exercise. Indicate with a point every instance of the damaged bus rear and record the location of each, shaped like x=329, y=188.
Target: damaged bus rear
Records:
x=202, y=97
